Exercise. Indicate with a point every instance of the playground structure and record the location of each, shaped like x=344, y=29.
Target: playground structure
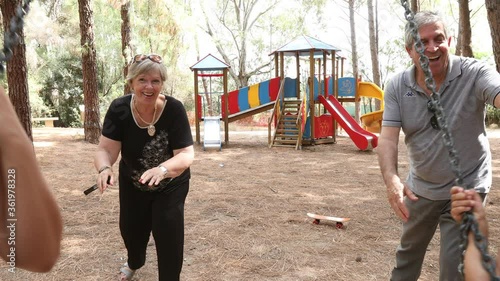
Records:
x=348, y=87
x=207, y=68
x=232, y=106
x=372, y=121
x=302, y=113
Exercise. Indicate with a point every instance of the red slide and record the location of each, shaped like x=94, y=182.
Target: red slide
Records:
x=364, y=140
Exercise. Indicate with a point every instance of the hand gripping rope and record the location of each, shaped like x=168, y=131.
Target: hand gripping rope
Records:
x=469, y=223
x=11, y=38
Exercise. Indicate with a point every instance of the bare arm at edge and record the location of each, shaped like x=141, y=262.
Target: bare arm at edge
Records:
x=106, y=155
x=32, y=242
x=387, y=152
x=496, y=102
x=463, y=201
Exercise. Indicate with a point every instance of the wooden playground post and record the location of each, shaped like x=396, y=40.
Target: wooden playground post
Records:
x=226, y=108
x=334, y=91
x=325, y=88
x=334, y=72
x=325, y=84
x=209, y=63
x=319, y=70
x=342, y=66
x=196, y=107
x=276, y=65
x=336, y=85
x=311, y=94
x=282, y=66
x=297, y=64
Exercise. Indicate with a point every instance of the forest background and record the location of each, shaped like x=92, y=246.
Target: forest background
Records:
x=76, y=51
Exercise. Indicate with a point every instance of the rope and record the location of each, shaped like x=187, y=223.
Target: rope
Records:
x=469, y=222
x=11, y=37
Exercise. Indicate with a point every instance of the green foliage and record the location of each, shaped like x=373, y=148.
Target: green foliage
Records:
x=487, y=57
x=62, y=91
x=245, y=32
x=38, y=107
x=393, y=57
x=169, y=28
x=155, y=30
x=55, y=58
x=492, y=115
x=110, y=61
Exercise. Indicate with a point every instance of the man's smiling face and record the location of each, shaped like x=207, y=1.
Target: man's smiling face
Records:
x=437, y=46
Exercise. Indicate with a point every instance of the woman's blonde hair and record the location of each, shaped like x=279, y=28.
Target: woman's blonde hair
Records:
x=137, y=68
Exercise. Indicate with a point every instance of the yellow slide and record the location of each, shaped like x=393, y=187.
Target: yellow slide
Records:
x=372, y=122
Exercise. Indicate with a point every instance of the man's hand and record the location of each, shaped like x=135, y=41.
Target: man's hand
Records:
x=395, y=194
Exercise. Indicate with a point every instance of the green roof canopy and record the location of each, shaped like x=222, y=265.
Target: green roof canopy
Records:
x=210, y=63
x=303, y=45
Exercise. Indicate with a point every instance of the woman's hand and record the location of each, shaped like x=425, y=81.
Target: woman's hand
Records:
x=466, y=200
x=105, y=178
x=153, y=176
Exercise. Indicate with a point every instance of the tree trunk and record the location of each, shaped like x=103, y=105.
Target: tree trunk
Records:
x=458, y=50
x=17, y=73
x=354, y=51
x=208, y=97
x=126, y=38
x=465, y=29
x=415, y=6
x=204, y=82
x=493, y=11
x=238, y=18
x=92, y=122
x=55, y=9
x=373, y=31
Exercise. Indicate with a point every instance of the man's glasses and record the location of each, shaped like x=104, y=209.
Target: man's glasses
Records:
x=434, y=122
x=152, y=57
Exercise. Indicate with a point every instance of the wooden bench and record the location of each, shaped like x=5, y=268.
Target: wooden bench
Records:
x=49, y=121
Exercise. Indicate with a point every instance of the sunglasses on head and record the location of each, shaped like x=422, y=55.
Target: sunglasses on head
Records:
x=152, y=57
x=434, y=122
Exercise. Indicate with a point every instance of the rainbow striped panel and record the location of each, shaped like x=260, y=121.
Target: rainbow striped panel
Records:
x=274, y=88
x=243, y=99
x=253, y=96
x=233, y=102
x=264, y=92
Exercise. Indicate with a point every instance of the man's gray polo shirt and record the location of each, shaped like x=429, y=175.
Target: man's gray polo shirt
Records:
x=468, y=86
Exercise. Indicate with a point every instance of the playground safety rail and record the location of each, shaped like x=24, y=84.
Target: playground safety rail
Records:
x=277, y=111
x=301, y=121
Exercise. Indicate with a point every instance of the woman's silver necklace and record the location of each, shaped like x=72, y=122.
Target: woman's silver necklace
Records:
x=151, y=126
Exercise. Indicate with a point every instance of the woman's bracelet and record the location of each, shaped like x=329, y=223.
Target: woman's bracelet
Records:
x=103, y=168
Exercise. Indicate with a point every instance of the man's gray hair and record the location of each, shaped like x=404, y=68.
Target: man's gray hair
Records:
x=421, y=19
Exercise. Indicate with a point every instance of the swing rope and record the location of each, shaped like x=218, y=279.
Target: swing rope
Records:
x=11, y=36
x=469, y=222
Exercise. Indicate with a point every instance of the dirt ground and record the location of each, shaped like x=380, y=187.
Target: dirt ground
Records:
x=245, y=213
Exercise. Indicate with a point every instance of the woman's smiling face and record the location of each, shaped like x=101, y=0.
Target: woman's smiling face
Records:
x=147, y=86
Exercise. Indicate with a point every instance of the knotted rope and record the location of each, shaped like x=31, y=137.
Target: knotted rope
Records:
x=11, y=36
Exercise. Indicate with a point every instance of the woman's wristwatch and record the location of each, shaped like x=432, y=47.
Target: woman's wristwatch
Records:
x=164, y=170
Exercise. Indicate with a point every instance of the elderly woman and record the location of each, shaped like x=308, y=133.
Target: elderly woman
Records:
x=152, y=133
